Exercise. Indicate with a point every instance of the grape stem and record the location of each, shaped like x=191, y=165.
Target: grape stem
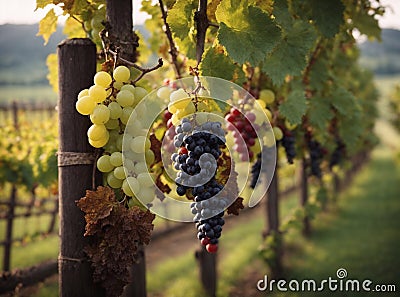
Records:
x=143, y=70
x=173, y=50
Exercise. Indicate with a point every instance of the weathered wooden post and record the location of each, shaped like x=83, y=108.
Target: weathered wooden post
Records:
x=77, y=66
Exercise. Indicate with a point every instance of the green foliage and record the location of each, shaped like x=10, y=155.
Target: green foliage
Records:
x=319, y=112
x=294, y=107
x=248, y=33
x=216, y=63
x=328, y=16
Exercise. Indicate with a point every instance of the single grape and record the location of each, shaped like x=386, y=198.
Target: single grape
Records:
x=125, y=98
x=133, y=184
x=98, y=93
x=116, y=159
x=83, y=93
x=119, y=172
x=121, y=74
x=140, y=93
x=267, y=96
x=164, y=93
x=127, y=189
x=100, y=114
x=112, y=124
x=115, y=110
x=145, y=179
x=102, y=79
x=104, y=164
x=97, y=132
x=85, y=105
x=278, y=133
x=113, y=182
x=140, y=144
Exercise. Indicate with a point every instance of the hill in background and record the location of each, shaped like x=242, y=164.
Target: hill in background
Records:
x=23, y=56
x=382, y=57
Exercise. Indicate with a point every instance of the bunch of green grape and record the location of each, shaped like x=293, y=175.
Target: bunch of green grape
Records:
x=110, y=103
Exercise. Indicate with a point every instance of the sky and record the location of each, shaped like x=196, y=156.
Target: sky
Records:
x=22, y=12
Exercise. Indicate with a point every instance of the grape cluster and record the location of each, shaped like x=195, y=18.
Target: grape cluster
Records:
x=244, y=129
x=288, y=142
x=316, y=155
x=337, y=154
x=199, y=147
x=110, y=102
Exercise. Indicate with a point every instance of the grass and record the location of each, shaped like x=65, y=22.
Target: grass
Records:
x=359, y=234
x=36, y=93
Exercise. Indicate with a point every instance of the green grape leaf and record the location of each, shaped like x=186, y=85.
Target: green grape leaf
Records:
x=319, y=73
x=294, y=107
x=247, y=33
x=290, y=55
x=368, y=25
x=43, y=3
x=52, y=66
x=282, y=14
x=48, y=25
x=343, y=101
x=265, y=5
x=319, y=113
x=180, y=17
x=216, y=63
x=350, y=129
x=328, y=16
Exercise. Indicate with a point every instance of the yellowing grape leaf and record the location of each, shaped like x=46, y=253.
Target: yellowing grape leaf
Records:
x=48, y=25
x=96, y=205
x=43, y=3
x=52, y=75
x=180, y=17
x=73, y=29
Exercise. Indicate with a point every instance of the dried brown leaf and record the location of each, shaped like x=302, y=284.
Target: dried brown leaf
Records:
x=236, y=206
x=96, y=205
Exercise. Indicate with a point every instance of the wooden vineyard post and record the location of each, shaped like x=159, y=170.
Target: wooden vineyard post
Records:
x=208, y=270
x=119, y=17
x=272, y=208
x=9, y=228
x=304, y=197
x=77, y=66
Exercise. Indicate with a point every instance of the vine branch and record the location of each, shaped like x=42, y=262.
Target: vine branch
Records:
x=173, y=50
x=143, y=70
x=202, y=23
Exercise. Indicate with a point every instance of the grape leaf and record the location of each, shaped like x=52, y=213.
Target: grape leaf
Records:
x=235, y=207
x=42, y=3
x=115, y=248
x=52, y=75
x=320, y=112
x=319, y=72
x=294, y=107
x=211, y=8
x=246, y=32
x=73, y=29
x=328, y=16
x=290, y=55
x=216, y=63
x=180, y=17
x=350, y=129
x=48, y=25
x=367, y=24
x=96, y=205
x=282, y=14
x=343, y=101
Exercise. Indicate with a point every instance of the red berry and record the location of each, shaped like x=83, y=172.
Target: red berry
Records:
x=230, y=118
x=182, y=151
x=169, y=124
x=251, y=142
x=205, y=241
x=251, y=154
x=166, y=82
x=230, y=127
x=235, y=111
x=239, y=125
x=167, y=115
x=212, y=248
